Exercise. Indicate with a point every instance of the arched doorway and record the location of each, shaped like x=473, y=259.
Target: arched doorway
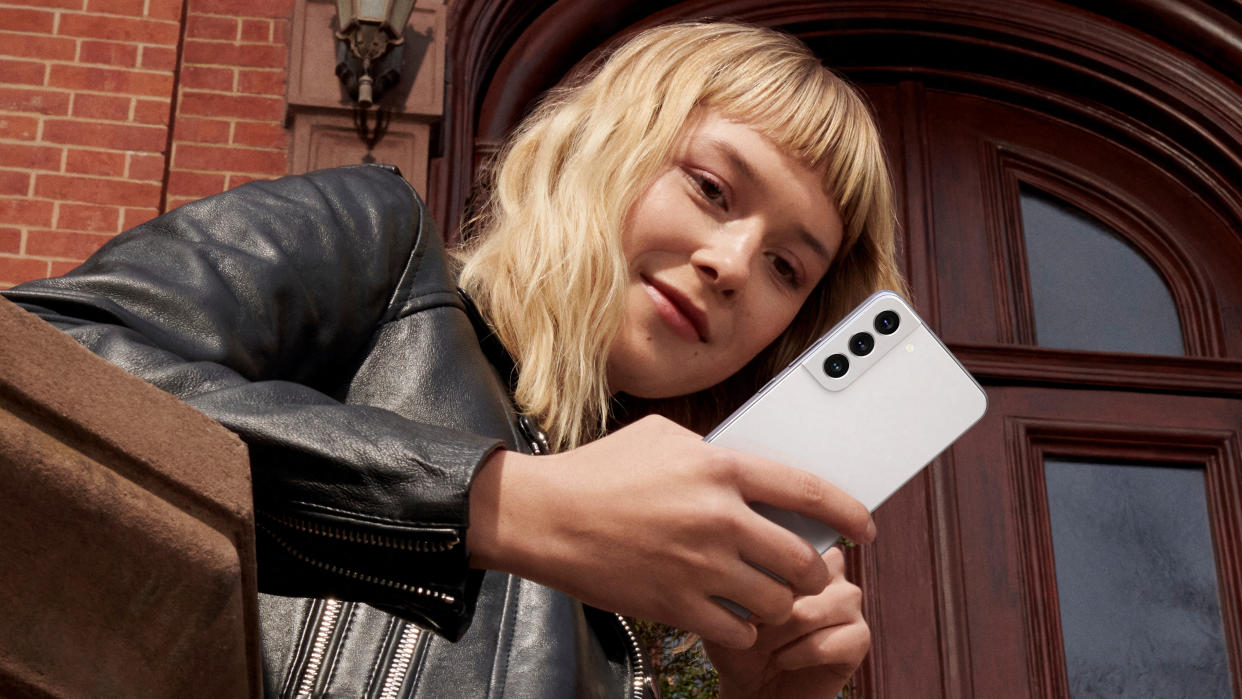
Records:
x=1071, y=228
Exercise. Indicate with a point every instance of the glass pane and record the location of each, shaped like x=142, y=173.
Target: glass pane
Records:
x=1091, y=290
x=1136, y=578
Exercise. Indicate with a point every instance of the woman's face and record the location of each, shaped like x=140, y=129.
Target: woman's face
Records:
x=723, y=248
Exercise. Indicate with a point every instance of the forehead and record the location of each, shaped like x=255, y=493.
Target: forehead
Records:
x=766, y=177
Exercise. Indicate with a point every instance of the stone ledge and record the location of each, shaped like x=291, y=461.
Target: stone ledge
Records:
x=126, y=532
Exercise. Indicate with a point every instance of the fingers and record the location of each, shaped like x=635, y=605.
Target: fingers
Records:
x=784, y=554
x=803, y=635
x=718, y=625
x=843, y=646
x=760, y=480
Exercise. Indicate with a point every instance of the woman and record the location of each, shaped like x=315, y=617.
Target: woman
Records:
x=667, y=230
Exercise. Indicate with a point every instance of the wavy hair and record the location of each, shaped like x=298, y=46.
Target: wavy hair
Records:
x=543, y=257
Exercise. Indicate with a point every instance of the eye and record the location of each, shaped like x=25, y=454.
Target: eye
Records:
x=711, y=189
x=786, y=270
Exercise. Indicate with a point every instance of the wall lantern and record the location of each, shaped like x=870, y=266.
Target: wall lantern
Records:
x=369, y=49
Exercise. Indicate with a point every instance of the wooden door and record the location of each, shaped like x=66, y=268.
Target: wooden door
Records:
x=962, y=588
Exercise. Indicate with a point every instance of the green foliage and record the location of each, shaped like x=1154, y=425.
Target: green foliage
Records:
x=680, y=674
x=686, y=673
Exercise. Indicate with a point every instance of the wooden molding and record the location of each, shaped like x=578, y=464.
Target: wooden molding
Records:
x=1025, y=365
x=1089, y=68
x=1031, y=441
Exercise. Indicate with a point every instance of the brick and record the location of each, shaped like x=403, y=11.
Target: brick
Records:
x=236, y=180
x=195, y=184
x=131, y=217
x=118, y=136
x=146, y=167
x=111, y=53
x=94, y=190
x=62, y=267
x=151, y=112
x=50, y=4
x=14, y=182
x=30, y=157
x=145, y=31
x=261, y=82
x=88, y=218
x=235, y=106
x=260, y=134
x=246, y=8
x=23, y=72
x=256, y=30
x=225, y=159
x=83, y=161
x=77, y=246
x=88, y=106
x=10, y=240
x=133, y=8
x=38, y=101
x=43, y=48
x=23, y=211
x=230, y=54
x=23, y=128
x=282, y=30
x=15, y=270
x=210, y=27
x=165, y=9
x=158, y=58
x=22, y=19
x=112, y=80
x=207, y=78
x=174, y=202
x=194, y=130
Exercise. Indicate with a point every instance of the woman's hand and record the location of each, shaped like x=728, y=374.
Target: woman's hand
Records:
x=653, y=522
x=811, y=654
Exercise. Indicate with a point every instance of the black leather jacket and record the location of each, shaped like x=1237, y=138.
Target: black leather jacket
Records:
x=315, y=317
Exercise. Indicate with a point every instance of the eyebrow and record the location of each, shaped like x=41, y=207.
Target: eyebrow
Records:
x=743, y=167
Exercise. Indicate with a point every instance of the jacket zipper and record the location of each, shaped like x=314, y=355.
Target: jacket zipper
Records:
x=353, y=574
x=344, y=534
x=402, y=658
x=640, y=681
x=328, y=618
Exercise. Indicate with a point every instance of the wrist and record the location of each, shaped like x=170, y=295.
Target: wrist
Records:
x=501, y=503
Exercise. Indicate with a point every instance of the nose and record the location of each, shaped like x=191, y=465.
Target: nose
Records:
x=726, y=257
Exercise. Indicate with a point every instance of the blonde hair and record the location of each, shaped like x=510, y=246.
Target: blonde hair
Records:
x=543, y=257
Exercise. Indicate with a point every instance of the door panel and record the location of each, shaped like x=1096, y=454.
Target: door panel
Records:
x=961, y=586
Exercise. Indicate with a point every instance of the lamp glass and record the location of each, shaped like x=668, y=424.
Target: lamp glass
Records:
x=372, y=10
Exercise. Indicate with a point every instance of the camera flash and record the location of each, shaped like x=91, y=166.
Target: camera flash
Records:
x=910, y=347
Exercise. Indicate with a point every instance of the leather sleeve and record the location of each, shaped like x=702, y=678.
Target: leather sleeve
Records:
x=256, y=306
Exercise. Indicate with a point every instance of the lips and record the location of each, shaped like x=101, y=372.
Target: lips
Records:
x=676, y=309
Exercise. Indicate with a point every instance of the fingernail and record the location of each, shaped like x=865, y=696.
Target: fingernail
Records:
x=870, y=530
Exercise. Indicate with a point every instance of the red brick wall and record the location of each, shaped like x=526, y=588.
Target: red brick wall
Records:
x=87, y=101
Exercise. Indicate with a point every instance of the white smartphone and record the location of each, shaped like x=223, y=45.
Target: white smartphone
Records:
x=866, y=407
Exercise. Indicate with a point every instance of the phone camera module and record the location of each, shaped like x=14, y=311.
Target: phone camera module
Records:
x=886, y=322
x=836, y=366
x=861, y=344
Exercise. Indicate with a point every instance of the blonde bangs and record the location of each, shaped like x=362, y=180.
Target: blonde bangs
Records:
x=543, y=256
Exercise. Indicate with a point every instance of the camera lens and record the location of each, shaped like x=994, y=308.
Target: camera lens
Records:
x=886, y=323
x=862, y=344
x=836, y=366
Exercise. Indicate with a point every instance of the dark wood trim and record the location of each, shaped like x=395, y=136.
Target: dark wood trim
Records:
x=951, y=618
x=919, y=236
x=1087, y=67
x=1022, y=365
x=1224, y=493
x=1037, y=574
x=1134, y=221
x=1011, y=278
x=861, y=567
x=1032, y=441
